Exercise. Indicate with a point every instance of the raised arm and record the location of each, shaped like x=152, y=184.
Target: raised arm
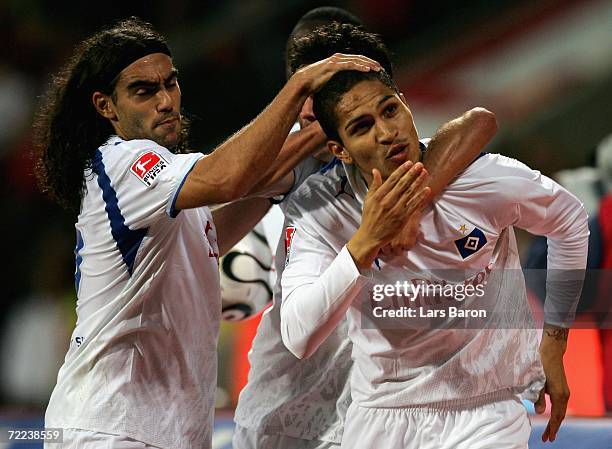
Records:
x=298, y=146
x=234, y=168
x=456, y=144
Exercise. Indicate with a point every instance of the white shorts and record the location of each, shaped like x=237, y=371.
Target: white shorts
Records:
x=500, y=425
x=250, y=439
x=87, y=439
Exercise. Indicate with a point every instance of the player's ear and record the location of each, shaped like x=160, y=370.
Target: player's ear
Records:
x=339, y=151
x=104, y=105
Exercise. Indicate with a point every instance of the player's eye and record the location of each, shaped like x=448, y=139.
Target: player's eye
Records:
x=360, y=127
x=171, y=83
x=142, y=91
x=390, y=109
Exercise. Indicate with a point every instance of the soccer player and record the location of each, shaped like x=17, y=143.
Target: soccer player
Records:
x=288, y=403
x=141, y=367
x=427, y=383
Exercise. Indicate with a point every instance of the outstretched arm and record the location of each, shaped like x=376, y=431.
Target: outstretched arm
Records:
x=299, y=145
x=238, y=164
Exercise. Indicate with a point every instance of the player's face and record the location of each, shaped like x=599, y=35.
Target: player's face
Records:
x=147, y=101
x=306, y=116
x=376, y=128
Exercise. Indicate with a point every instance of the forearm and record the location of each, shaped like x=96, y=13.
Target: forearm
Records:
x=568, y=235
x=311, y=312
x=234, y=220
x=234, y=167
x=456, y=144
x=552, y=348
x=299, y=145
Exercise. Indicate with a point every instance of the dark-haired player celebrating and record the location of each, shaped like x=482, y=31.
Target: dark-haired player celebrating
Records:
x=446, y=383
x=142, y=364
x=291, y=403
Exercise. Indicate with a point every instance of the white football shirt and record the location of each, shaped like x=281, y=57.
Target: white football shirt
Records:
x=304, y=399
x=469, y=229
x=142, y=361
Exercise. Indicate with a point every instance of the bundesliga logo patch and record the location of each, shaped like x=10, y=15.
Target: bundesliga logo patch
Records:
x=471, y=243
x=148, y=166
x=289, y=233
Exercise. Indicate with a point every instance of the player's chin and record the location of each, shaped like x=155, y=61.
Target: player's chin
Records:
x=169, y=139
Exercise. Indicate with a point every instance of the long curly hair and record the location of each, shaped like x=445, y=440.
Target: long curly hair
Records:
x=67, y=128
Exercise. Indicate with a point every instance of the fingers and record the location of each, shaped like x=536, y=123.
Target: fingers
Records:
x=397, y=175
x=557, y=414
x=416, y=202
x=355, y=62
x=376, y=181
x=410, y=182
x=546, y=434
x=317, y=74
x=413, y=197
x=407, y=236
x=540, y=404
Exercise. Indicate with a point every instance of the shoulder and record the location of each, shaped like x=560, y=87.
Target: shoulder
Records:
x=318, y=189
x=117, y=149
x=496, y=169
x=323, y=199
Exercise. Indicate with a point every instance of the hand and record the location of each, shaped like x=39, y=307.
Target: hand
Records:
x=314, y=76
x=386, y=210
x=552, y=348
x=406, y=238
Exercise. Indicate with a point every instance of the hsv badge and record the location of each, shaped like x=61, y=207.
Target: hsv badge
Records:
x=471, y=243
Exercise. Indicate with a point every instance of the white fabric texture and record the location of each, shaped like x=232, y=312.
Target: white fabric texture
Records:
x=142, y=361
x=438, y=366
x=500, y=425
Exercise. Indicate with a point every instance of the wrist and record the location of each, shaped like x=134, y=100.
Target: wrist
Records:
x=363, y=250
x=297, y=83
x=554, y=341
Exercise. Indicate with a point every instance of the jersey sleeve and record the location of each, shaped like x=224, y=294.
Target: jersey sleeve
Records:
x=318, y=286
x=543, y=207
x=301, y=172
x=147, y=180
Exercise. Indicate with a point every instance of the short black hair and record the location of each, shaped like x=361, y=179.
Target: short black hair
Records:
x=328, y=97
x=336, y=37
x=323, y=15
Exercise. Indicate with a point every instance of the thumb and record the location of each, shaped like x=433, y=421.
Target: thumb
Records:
x=376, y=180
x=540, y=404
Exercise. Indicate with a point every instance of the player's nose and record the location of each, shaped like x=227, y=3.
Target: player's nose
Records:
x=164, y=102
x=386, y=133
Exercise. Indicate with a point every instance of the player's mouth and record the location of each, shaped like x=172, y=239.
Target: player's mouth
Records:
x=397, y=153
x=168, y=122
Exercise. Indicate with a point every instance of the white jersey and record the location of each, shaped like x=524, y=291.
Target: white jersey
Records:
x=304, y=399
x=468, y=228
x=142, y=361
